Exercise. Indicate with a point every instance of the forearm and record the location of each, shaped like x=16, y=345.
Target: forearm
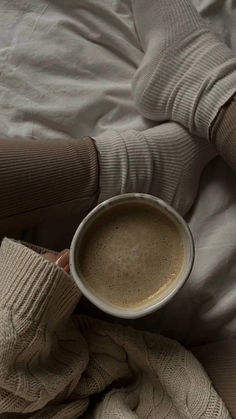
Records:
x=36, y=331
x=44, y=179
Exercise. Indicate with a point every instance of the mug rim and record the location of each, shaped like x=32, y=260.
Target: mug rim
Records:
x=155, y=304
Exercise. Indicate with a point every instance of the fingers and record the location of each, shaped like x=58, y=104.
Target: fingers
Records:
x=62, y=260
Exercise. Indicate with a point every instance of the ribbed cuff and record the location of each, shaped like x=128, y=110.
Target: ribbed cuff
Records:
x=38, y=176
x=188, y=83
x=208, y=81
x=224, y=124
x=33, y=287
x=223, y=132
x=164, y=161
x=219, y=86
x=125, y=163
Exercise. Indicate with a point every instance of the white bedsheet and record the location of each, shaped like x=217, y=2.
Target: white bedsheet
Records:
x=65, y=71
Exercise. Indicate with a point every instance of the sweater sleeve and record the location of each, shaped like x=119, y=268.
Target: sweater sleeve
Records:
x=42, y=354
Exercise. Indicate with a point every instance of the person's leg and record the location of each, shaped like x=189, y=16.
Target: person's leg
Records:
x=41, y=180
x=223, y=133
x=219, y=361
x=44, y=180
x=187, y=73
x=165, y=161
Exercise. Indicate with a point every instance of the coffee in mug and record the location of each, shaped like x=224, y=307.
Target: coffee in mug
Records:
x=131, y=254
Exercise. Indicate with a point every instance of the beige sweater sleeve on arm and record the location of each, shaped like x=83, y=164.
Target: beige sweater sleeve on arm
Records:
x=42, y=354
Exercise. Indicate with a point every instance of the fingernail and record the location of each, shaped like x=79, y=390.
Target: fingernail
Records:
x=63, y=260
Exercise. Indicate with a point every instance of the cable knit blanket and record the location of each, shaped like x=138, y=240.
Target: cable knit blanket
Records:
x=54, y=364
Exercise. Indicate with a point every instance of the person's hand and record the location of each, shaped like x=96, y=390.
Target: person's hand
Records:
x=61, y=259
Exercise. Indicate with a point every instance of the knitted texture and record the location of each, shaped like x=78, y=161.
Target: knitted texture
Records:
x=165, y=161
x=52, y=362
x=220, y=363
x=187, y=73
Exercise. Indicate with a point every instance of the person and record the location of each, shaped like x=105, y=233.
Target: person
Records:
x=186, y=81
x=58, y=364
x=51, y=361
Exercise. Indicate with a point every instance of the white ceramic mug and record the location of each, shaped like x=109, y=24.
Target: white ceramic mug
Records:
x=162, y=298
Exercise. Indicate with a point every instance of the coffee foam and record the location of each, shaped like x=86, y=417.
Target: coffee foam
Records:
x=131, y=254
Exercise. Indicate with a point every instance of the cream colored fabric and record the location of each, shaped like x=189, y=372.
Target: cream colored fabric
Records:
x=224, y=133
x=65, y=71
x=52, y=362
x=187, y=73
x=219, y=360
x=165, y=161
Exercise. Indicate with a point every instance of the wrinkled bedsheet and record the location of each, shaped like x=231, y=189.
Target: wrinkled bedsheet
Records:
x=65, y=71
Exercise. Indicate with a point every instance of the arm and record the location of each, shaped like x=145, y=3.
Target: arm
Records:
x=42, y=354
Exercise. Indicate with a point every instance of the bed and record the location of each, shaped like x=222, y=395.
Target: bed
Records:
x=65, y=72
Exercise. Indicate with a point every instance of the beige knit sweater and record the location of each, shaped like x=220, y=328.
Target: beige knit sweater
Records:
x=54, y=364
